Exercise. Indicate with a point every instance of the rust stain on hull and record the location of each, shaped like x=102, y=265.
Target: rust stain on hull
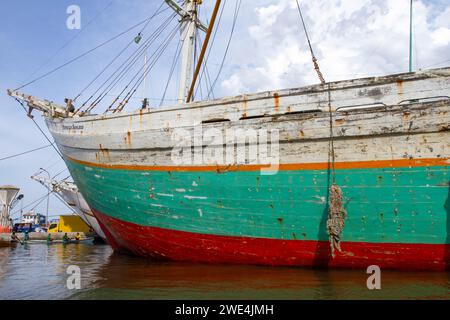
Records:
x=276, y=100
x=128, y=138
x=399, y=84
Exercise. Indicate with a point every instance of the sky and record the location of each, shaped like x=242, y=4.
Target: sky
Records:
x=268, y=51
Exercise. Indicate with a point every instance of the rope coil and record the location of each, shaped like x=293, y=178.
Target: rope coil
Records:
x=336, y=211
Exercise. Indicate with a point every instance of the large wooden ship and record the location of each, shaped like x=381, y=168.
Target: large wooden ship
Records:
x=249, y=179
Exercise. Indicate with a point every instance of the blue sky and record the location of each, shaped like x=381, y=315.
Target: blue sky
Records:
x=351, y=38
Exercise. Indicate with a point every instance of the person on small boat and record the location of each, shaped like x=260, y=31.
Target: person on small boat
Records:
x=14, y=237
x=77, y=237
x=65, y=238
x=26, y=236
x=49, y=238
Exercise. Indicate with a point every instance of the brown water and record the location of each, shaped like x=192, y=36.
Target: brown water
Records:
x=38, y=271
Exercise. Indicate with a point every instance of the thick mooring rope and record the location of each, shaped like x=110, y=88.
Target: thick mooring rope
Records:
x=336, y=218
x=336, y=211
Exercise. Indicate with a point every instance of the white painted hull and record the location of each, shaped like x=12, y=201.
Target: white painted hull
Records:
x=382, y=129
x=76, y=201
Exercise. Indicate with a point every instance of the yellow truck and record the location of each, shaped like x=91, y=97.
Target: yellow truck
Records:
x=69, y=223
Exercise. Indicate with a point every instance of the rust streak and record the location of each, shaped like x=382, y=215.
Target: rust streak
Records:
x=141, y=113
x=399, y=86
x=128, y=138
x=104, y=151
x=276, y=99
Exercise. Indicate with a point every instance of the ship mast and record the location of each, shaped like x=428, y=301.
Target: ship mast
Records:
x=411, y=36
x=189, y=24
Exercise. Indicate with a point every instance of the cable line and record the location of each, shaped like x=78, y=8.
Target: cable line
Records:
x=139, y=81
x=126, y=66
x=83, y=54
x=172, y=69
x=25, y=152
x=314, y=59
x=39, y=200
x=71, y=40
x=118, y=55
x=236, y=14
x=42, y=131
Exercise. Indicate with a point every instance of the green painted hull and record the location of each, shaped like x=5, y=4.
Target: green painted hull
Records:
x=384, y=205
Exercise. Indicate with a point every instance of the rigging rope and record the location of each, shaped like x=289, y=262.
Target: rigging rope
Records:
x=157, y=54
x=42, y=131
x=39, y=200
x=26, y=152
x=172, y=69
x=109, y=87
x=85, y=26
x=210, y=48
x=314, y=59
x=82, y=55
x=236, y=14
x=126, y=66
x=104, y=69
x=207, y=78
x=119, y=54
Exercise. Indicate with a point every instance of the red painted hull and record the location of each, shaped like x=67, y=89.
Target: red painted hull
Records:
x=193, y=247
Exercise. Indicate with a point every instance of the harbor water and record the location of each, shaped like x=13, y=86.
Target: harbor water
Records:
x=40, y=271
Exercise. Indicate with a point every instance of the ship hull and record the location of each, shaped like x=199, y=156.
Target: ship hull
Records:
x=390, y=158
x=173, y=245
x=397, y=211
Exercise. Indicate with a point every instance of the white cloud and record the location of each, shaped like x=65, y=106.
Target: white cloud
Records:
x=441, y=37
x=351, y=38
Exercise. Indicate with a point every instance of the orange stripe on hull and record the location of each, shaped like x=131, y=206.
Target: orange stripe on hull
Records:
x=399, y=163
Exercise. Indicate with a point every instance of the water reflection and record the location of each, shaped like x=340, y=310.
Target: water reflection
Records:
x=39, y=272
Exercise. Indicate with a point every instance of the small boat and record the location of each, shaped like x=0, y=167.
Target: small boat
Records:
x=68, y=192
x=60, y=241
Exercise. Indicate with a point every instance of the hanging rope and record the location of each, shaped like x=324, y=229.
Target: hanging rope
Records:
x=314, y=59
x=336, y=218
x=336, y=211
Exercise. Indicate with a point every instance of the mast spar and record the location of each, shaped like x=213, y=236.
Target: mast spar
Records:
x=189, y=24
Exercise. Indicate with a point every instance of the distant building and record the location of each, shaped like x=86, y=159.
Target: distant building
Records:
x=34, y=218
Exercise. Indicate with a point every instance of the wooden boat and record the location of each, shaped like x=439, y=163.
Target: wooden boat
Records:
x=68, y=193
x=59, y=241
x=256, y=178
